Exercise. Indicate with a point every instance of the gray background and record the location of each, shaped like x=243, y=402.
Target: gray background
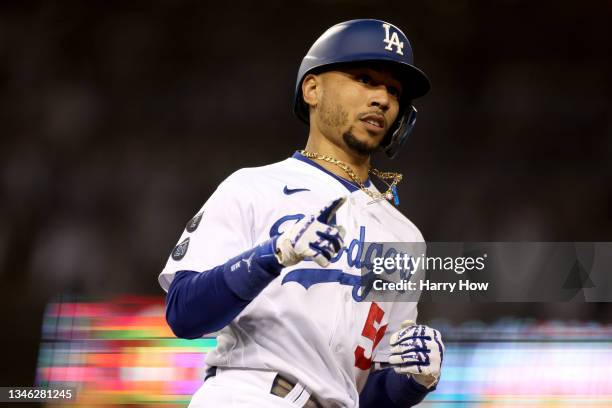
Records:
x=119, y=120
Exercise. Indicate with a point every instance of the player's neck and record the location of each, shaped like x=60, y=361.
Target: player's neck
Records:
x=359, y=164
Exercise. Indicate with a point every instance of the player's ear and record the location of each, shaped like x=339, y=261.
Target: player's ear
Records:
x=310, y=90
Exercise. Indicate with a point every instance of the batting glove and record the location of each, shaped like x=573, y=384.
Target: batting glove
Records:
x=313, y=237
x=417, y=350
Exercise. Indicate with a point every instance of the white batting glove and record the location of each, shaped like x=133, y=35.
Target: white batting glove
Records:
x=313, y=237
x=417, y=350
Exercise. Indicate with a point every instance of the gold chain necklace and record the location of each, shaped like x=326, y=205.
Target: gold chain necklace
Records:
x=395, y=178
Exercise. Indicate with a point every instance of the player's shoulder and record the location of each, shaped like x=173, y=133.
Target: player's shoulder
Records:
x=249, y=186
x=250, y=176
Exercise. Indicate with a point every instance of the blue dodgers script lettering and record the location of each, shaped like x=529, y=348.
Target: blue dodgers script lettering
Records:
x=276, y=227
x=308, y=277
x=353, y=251
x=355, y=258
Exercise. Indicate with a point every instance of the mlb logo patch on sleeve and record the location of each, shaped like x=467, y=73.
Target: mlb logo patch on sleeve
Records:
x=180, y=250
x=193, y=223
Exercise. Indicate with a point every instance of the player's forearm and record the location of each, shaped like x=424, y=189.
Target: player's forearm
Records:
x=199, y=303
x=387, y=389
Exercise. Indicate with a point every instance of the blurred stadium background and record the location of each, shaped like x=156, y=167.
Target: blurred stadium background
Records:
x=121, y=352
x=119, y=119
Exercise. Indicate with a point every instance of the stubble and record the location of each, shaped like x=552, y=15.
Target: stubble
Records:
x=334, y=116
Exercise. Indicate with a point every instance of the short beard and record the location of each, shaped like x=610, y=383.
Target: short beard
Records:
x=356, y=145
x=334, y=116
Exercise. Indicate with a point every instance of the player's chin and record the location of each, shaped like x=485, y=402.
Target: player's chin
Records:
x=361, y=142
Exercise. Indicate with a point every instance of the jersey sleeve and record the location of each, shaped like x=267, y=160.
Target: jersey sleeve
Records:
x=221, y=230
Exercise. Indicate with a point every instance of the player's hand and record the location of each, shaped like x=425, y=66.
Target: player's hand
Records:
x=417, y=350
x=313, y=237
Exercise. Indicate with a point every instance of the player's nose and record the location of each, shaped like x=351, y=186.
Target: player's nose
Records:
x=379, y=97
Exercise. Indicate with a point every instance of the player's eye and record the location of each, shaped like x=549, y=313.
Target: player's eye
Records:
x=364, y=78
x=394, y=91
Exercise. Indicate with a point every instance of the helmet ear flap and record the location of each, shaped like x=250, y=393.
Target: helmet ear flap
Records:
x=400, y=132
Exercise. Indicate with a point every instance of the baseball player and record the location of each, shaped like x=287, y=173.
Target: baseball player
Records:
x=272, y=260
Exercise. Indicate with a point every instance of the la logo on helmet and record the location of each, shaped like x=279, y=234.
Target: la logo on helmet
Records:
x=393, y=40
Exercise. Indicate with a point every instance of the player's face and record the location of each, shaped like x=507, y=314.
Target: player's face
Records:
x=357, y=106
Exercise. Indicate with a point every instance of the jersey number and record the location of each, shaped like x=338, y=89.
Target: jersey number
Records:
x=369, y=331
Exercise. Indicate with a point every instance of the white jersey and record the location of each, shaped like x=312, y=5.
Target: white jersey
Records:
x=307, y=323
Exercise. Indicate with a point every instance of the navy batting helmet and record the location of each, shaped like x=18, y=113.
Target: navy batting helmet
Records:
x=362, y=41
